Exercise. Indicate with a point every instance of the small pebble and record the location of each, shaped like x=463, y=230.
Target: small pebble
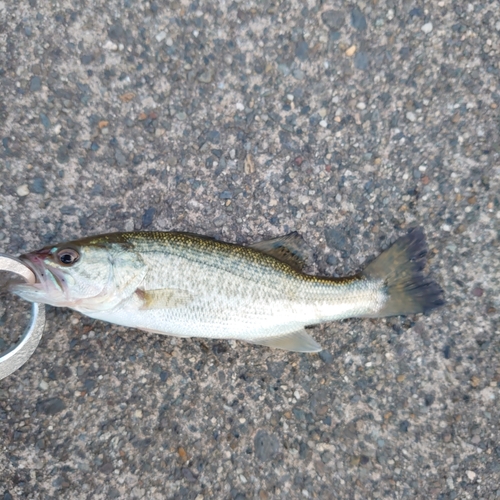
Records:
x=361, y=60
x=23, y=190
x=302, y=50
x=358, y=19
x=219, y=221
x=37, y=186
x=182, y=454
x=35, y=84
x=429, y=399
x=207, y=76
x=471, y=475
x=148, y=216
x=326, y=356
x=426, y=28
x=87, y=58
x=475, y=381
x=404, y=426
x=127, y=97
x=45, y=120
x=323, y=123
x=249, y=164
x=334, y=19
x=109, y=45
x=411, y=116
x=351, y=51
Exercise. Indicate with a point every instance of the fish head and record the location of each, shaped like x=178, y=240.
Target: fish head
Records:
x=68, y=275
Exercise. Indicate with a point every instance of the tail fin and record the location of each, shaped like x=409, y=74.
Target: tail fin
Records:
x=401, y=268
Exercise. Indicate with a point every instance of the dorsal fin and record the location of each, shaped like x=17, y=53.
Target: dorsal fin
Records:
x=291, y=249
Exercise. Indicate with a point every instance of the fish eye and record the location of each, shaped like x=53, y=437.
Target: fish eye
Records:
x=68, y=256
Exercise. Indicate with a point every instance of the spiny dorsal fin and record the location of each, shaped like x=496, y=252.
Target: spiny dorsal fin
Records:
x=163, y=298
x=291, y=249
x=298, y=341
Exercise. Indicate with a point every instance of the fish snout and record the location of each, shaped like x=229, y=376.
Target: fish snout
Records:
x=36, y=262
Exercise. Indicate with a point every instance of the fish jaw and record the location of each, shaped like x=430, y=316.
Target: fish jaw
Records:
x=55, y=278
x=31, y=293
x=51, y=285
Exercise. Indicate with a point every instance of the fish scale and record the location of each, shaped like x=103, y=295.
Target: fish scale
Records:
x=233, y=272
x=187, y=285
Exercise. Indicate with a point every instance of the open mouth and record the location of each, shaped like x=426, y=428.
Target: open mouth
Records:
x=45, y=277
x=32, y=264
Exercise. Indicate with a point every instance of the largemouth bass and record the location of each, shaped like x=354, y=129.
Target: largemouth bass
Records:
x=187, y=285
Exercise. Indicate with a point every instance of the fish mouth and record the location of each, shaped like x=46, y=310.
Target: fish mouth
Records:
x=32, y=267
x=47, y=278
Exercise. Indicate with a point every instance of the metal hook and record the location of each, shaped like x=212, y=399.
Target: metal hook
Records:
x=13, y=359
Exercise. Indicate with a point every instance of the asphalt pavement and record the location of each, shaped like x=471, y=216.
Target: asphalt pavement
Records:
x=347, y=122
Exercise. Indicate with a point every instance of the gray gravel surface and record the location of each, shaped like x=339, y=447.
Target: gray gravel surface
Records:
x=348, y=122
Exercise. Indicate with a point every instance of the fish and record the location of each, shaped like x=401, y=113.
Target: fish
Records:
x=188, y=285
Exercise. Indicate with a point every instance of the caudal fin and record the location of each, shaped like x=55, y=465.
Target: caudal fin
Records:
x=401, y=269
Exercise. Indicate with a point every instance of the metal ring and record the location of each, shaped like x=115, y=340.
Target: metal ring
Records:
x=20, y=353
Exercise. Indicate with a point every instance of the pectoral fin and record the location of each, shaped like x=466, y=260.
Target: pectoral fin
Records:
x=291, y=249
x=163, y=298
x=298, y=341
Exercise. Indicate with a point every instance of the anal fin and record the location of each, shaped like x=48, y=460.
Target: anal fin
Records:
x=298, y=341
